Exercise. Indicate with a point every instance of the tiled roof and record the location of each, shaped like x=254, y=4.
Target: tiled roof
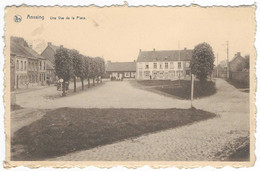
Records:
x=164, y=55
x=121, y=66
x=20, y=47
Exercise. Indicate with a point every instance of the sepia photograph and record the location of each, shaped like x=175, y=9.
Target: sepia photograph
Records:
x=125, y=84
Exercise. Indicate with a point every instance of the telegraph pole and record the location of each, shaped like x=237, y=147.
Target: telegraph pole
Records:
x=217, y=65
x=227, y=62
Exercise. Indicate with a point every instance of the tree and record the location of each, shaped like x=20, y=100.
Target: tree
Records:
x=63, y=66
x=87, y=72
x=100, y=67
x=202, y=62
x=77, y=67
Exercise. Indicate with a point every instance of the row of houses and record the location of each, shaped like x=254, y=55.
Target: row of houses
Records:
x=28, y=68
x=169, y=65
x=158, y=65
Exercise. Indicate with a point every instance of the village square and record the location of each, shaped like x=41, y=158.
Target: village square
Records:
x=165, y=105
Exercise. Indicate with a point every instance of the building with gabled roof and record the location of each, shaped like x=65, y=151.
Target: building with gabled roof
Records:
x=49, y=53
x=164, y=64
x=27, y=66
x=119, y=70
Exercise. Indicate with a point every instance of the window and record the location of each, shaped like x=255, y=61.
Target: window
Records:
x=21, y=65
x=127, y=74
x=25, y=65
x=29, y=66
x=161, y=66
x=155, y=65
x=146, y=73
x=43, y=65
x=179, y=65
x=17, y=67
x=166, y=65
x=146, y=66
x=40, y=65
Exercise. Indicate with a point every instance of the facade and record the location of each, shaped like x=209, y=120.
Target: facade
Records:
x=48, y=54
x=163, y=65
x=25, y=65
x=119, y=70
x=238, y=63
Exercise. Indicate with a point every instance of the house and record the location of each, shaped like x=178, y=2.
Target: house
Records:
x=121, y=69
x=238, y=63
x=25, y=65
x=163, y=64
x=48, y=53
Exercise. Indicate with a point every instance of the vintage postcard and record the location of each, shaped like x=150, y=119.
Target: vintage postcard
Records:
x=130, y=86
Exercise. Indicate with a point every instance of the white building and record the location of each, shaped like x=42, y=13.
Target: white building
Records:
x=163, y=64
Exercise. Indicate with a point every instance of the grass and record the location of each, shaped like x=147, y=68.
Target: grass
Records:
x=182, y=90
x=241, y=154
x=16, y=107
x=238, y=84
x=66, y=130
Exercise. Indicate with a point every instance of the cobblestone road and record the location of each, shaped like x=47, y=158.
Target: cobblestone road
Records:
x=199, y=141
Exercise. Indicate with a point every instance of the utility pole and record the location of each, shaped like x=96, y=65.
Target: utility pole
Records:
x=227, y=62
x=217, y=65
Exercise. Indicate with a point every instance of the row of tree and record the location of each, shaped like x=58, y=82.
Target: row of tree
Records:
x=71, y=64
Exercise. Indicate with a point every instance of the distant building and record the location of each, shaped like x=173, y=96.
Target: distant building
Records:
x=48, y=53
x=163, y=64
x=121, y=69
x=238, y=63
x=26, y=65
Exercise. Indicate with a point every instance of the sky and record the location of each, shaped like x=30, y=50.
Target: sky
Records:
x=117, y=33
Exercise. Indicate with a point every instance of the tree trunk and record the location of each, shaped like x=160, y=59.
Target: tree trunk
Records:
x=82, y=83
x=75, y=84
x=63, y=88
x=93, y=81
x=88, y=82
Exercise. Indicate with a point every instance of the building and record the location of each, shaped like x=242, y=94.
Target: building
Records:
x=163, y=64
x=48, y=53
x=238, y=63
x=25, y=65
x=121, y=69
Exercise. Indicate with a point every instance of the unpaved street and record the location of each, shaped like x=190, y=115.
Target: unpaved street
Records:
x=199, y=141
x=109, y=95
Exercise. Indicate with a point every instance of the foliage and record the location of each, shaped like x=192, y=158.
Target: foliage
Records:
x=70, y=63
x=202, y=62
x=63, y=64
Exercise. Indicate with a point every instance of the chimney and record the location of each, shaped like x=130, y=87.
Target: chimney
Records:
x=61, y=46
x=185, y=48
x=49, y=43
x=153, y=49
x=108, y=61
x=238, y=54
x=140, y=50
x=30, y=46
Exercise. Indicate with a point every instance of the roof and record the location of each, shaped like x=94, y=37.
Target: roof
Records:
x=20, y=47
x=164, y=55
x=121, y=66
x=54, y=47
x=49, y=65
